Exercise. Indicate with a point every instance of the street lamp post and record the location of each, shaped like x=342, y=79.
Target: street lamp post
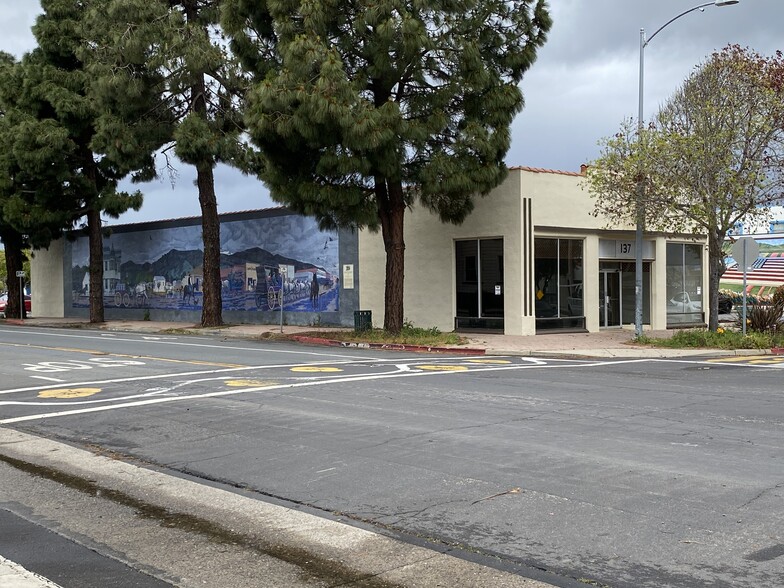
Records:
x=640, y=207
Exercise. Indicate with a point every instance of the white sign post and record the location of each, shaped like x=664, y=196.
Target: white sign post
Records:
x=283, y=270
x=745, y=251
x=21, y=275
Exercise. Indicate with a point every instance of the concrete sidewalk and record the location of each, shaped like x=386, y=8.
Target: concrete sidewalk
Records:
x=605, y=344
x=286, y=547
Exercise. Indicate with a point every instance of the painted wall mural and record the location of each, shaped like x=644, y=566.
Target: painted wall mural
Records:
x=265, y=262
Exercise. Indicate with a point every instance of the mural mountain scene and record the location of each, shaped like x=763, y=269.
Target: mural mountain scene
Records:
x=162, y=268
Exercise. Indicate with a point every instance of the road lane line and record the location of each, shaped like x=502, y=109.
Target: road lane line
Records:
x=347, y=379
x=228, y=380
x=49, y=379
x=326, y=377
x=130, y=356
x=353, y=361
x=564, y=363
x=733, y=361
x=180, y=343
x=186, y=374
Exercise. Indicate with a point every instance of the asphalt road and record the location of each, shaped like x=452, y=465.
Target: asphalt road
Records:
x=638, y=473
x=63, y=561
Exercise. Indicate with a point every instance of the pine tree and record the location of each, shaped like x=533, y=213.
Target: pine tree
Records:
x=178, y=47
x=359, y=109
x=58, y=178
x=13, y=241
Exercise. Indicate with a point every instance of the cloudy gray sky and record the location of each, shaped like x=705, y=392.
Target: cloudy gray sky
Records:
x=583, y=84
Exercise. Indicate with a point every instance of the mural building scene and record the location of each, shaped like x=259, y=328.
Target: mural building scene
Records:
x=265, y=263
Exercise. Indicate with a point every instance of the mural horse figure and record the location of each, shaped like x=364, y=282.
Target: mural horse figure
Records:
x=189, y=295
x=142, y=295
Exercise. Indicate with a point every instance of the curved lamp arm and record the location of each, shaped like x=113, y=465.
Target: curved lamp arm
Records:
x=684, y=13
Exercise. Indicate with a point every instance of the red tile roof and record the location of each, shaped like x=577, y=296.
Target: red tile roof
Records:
x=542, y=170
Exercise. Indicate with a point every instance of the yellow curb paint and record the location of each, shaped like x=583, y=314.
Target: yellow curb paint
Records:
x=248, y=383
x=68, y=393
x=315, y=368
x=443, y=368
x=499, y=361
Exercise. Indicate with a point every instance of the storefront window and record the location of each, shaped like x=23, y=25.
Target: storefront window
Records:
x=684, y=284
x=558, y=276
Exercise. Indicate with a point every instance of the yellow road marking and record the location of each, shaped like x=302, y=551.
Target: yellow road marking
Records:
x=737, y=359
x=147, y=357
x=68, y=393
x=489, y=361
x=248, y=383
x=443, y=368
x=191, y=361
x=315, y=368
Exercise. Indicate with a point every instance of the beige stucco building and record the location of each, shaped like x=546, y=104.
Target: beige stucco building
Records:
x=531, y=258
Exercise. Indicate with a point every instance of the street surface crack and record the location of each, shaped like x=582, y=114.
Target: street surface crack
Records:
x=762, y=493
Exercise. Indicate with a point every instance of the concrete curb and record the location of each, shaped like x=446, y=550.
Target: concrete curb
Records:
x=631, y=353
x=385, y=346
x=612, y=351
x=356, y=553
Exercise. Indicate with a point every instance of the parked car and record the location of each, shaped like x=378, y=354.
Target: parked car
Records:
x=4, y=302
x=682, y=303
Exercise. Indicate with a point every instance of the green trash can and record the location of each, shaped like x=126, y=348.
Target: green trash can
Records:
x=363, y=320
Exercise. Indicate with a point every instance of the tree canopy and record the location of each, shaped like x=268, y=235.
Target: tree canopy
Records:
x=55, y=175
x=171, y=51
x=712, y=157
x=359, y=110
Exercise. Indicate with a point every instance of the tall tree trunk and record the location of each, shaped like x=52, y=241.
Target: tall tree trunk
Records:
x=716, y=267
x=95, y=238
x=212, y=303
x=14, y=262
x=212, y=308
x=391, y=209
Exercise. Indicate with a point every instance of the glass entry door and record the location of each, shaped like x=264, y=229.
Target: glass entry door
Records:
x=479, y=284
x=610, y=288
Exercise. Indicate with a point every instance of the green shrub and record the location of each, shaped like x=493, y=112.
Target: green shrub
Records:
x=410, y=335
x=762, y=317
x=720, y=339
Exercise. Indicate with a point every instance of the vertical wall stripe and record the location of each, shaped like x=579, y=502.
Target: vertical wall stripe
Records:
x=528, y=253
